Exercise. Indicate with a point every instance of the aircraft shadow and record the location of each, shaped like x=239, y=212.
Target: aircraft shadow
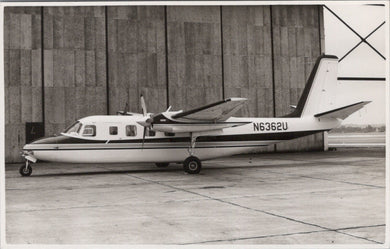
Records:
x=107, y=172
x=171, y=169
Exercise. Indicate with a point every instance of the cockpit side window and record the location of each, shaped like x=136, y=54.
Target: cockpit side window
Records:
x=89, y=131
x=74, y=128
x=131, y=130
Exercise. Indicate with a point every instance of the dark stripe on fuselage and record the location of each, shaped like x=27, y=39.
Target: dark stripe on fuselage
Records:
x=153, y=148
x=222, y=138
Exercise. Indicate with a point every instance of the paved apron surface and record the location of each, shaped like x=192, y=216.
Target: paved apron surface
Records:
x=291, y=198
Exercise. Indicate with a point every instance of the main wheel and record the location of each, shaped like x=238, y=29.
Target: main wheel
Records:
x=192, y=165
x=162, y=165
x=25, y=171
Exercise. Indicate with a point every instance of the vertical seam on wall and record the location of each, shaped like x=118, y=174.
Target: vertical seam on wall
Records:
x=273, y=62
x=320, y=42
x=319, y=27
x=107, y=76
x=222, y=58
x=273, y=65
x=166, y=54
x=43, y=70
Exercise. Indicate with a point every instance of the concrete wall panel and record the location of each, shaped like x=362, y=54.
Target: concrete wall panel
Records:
x=248, y=57
x=136, y=50
x=247, y=54
x=296, y=48
x=22, y=68
x=194, y=56
x=75, y=62
x=206, y=58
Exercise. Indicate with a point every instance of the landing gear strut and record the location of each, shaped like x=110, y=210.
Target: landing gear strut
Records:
x=192, y=164
x=25, y=170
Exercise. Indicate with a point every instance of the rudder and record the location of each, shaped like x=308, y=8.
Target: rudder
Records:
x=320, y=90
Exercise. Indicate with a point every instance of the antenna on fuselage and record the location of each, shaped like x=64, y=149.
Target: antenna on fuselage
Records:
x=125, y=111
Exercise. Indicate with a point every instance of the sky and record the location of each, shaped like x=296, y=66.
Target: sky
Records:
x=363, y=61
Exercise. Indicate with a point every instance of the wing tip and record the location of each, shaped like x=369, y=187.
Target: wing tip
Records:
x=236, y=99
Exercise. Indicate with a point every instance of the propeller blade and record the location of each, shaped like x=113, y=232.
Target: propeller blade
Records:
x=143, y=137
x=143, y=105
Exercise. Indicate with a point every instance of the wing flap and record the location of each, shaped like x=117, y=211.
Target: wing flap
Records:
x=196, y=127
x=342, y=112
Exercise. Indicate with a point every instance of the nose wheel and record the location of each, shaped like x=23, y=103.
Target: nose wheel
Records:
x=25, y=170
x=192, y=165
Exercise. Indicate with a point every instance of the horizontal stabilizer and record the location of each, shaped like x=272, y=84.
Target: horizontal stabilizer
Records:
x=342, y=112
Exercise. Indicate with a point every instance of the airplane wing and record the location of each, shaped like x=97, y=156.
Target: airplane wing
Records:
x=215, y=112
x=206, y=118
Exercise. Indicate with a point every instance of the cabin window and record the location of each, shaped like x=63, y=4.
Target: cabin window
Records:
x=131, y=130
x=89, y=131
x=169, y=134
x=113, y=130
x=150, y=133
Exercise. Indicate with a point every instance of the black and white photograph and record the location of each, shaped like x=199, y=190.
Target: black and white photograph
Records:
x=194, y=124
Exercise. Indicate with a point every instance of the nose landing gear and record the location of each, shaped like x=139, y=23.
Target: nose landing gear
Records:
x=25, y=170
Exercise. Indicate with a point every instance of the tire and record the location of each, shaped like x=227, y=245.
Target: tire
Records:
x=25, y=172
x=162, y=165
x=192, y=165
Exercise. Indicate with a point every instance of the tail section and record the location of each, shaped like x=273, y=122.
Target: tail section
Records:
x=320, y=93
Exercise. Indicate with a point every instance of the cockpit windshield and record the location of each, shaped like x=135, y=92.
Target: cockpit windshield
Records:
x=74, y=128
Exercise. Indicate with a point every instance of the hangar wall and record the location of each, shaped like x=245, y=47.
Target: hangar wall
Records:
x=95, y=59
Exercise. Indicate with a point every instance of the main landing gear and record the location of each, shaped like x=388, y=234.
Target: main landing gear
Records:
x=26, y=169
x=192, y=164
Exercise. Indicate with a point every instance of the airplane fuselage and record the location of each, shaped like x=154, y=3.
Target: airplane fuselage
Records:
x=121, y=147
x=198, y=134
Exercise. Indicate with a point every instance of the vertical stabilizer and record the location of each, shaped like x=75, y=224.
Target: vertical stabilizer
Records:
x=320, y=90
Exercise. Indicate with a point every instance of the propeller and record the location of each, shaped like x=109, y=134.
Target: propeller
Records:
x=143, y=105
x=146, y=123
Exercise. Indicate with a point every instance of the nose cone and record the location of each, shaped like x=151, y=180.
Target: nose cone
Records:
x=45, y=141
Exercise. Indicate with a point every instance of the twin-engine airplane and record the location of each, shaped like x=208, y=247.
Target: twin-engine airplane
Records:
x=191, y=136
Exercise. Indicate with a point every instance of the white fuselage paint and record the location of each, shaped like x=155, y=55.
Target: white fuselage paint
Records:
x=236, y=140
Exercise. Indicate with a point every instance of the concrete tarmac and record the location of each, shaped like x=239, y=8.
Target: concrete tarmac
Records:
x=335, y=197
x=338, y=140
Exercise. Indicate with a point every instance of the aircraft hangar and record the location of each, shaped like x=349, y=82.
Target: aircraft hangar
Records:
x=64, y=63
